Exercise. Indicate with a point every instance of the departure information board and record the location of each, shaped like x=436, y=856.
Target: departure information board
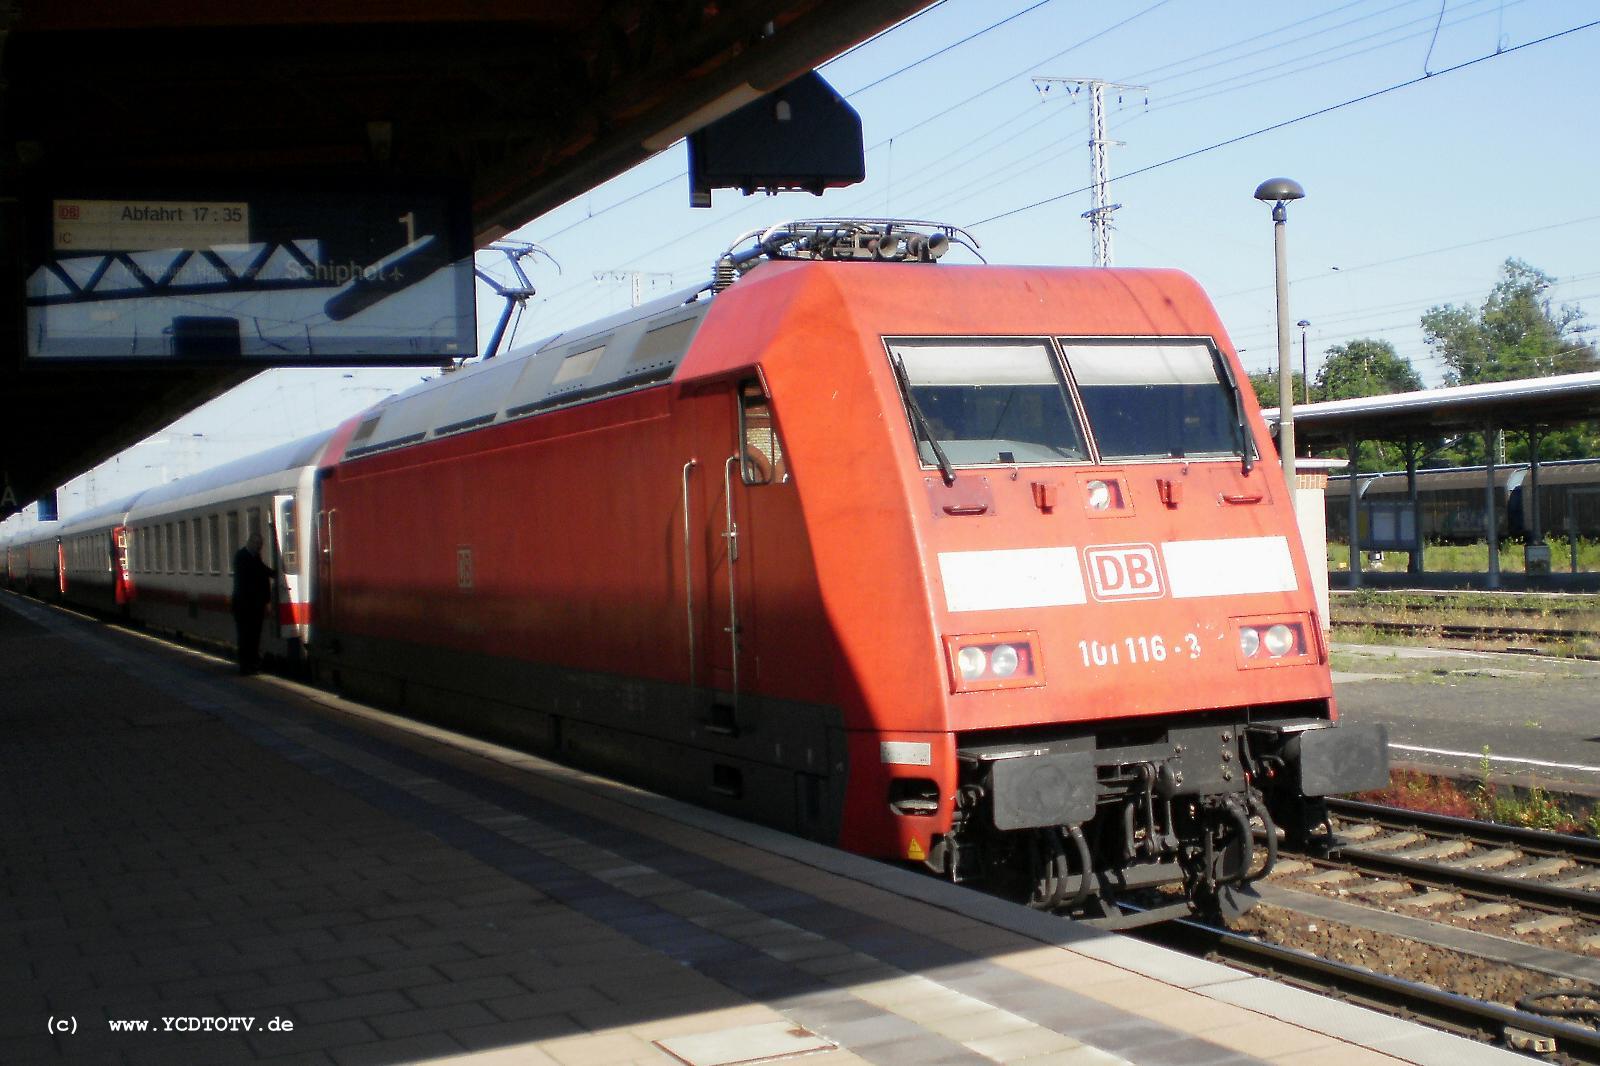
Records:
x=271, y=277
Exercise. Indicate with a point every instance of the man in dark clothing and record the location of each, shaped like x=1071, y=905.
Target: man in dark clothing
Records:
x=252, y=591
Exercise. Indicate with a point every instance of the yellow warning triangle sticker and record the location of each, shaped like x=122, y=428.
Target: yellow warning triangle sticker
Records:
x=914, y=851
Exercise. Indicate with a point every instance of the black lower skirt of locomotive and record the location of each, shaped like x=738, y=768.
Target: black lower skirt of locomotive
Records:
x=1084, y=821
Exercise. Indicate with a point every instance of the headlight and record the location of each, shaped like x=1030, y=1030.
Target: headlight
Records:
x=980, y=661
x=972, y=662
x=1279, y=640
x=1266, y=641
x=1099, y=495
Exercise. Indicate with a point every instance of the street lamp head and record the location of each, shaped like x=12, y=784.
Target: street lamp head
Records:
x=1303, y=323
x=1279, y=190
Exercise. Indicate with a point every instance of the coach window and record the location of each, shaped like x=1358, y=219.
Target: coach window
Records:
x=1156, y=399
x=172, y=549
x=183, y=547
x=252, y=523
x=196, y=529
x=987, y=401
x=233, y=539
x=214, y=529
x=764, y=462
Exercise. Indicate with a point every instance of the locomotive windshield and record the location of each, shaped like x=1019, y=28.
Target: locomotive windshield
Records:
x=994, y=400
x=1156, y=399
x=1000, y=400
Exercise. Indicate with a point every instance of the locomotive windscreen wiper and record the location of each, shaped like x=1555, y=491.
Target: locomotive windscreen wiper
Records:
x=1247, y=449
x=919, y=421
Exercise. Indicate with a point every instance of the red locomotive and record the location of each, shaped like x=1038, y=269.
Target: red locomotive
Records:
x=967, y=565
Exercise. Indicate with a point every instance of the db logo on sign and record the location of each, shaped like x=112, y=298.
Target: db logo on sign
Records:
x=1124, y=572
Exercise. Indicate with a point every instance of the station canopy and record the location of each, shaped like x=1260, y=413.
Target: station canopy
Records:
x=227, y=152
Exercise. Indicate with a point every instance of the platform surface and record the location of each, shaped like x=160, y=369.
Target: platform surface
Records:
x=185, y=853
x=1527, y=719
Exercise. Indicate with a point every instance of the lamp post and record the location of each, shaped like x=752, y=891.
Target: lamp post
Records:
x=1303, y=324
x=1278, y=192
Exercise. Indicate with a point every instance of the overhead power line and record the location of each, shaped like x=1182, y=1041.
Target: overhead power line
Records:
x=1420, y=255
x=947, y=48
x=1298, y=119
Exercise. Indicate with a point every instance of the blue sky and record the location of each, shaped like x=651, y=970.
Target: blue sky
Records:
x=1414, y=197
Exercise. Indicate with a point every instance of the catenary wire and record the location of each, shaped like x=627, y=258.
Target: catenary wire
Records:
x=1297, y=119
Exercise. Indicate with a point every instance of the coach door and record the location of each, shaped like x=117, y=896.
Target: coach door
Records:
x=121, y=580
x=291, y=612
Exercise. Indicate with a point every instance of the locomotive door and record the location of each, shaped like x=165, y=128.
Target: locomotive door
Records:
x=719, y=558
x=322, y=547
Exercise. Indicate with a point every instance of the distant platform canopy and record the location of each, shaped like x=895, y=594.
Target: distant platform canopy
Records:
x=1529, y=403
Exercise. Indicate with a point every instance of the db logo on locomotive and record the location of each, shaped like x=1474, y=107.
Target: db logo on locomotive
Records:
x=1124, y=572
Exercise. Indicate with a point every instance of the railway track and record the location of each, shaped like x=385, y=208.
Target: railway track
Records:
x=1463, y=631
x=1492, y=1022
x=1552, y=872
x=1514, y=900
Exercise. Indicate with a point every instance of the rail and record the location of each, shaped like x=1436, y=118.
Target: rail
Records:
x=1445, y=874
x=1391, y=995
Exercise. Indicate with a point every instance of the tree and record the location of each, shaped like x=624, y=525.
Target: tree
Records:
x=1265, y=385
x=1517, y=333
x=1364, y=368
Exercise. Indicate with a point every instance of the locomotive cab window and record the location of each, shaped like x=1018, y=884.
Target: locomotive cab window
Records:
x=987, y=401
x=1157, y=399
x=763, y=461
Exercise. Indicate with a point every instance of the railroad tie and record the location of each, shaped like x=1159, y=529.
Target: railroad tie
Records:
x=1429, y=900
x=1439, y=849
x=1357, y=832
x=1390, y=843
x=1545, y=923
x=1543, y=868
x=1487, y=860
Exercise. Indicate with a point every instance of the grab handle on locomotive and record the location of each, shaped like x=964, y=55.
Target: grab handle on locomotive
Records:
x=688, y=569
x=731, y=533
